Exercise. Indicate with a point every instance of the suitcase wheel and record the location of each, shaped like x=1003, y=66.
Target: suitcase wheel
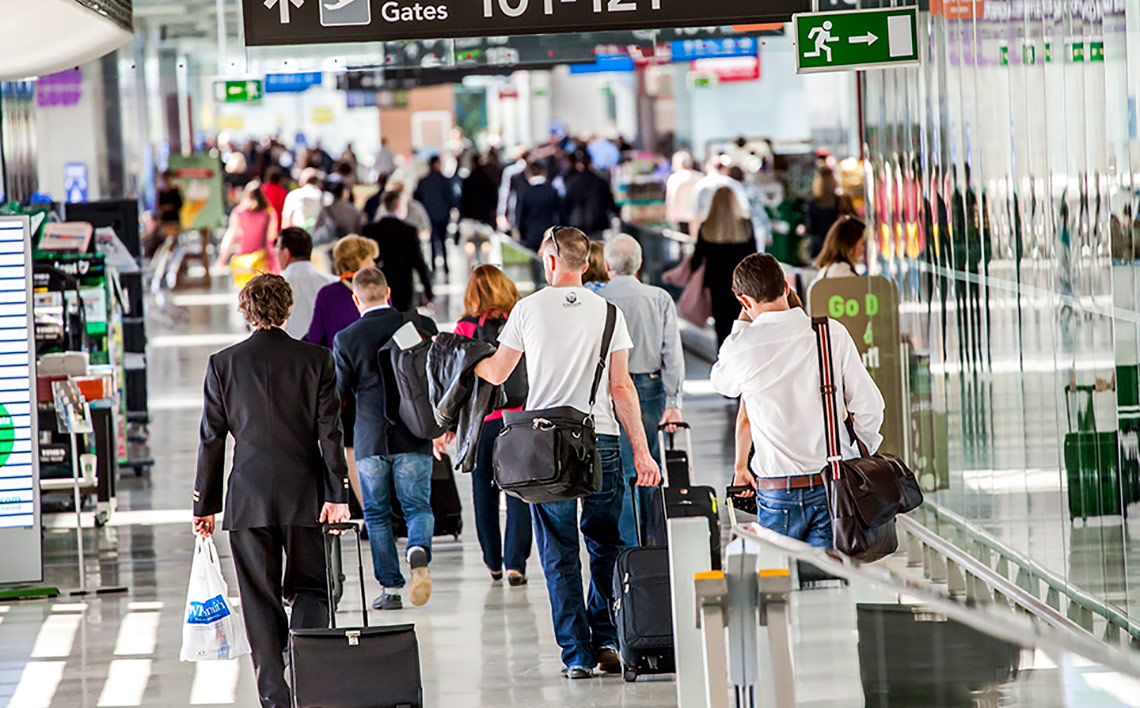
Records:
x=629, y=674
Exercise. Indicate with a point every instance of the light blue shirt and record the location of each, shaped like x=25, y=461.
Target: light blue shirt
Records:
x=651, y=316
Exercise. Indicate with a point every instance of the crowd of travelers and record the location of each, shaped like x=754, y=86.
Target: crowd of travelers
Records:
x=325, y=363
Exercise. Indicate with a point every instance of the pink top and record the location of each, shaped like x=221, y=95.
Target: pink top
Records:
x=466, y=328
x=253, y=233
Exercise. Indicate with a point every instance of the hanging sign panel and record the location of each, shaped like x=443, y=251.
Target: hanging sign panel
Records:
x=20, y=562
x=285, y=22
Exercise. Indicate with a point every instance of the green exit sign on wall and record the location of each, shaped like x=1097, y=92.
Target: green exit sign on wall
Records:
x=856, y=39
x=244, y=91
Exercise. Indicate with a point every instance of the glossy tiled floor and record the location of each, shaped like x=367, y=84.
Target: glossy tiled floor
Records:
x=481, y=644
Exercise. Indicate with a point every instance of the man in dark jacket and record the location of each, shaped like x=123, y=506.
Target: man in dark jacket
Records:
x=437, y=194
x=400, y=253
x=385, y=449
x=277, y=397
x=540, y=207
x=589, y=199
x=479, y=194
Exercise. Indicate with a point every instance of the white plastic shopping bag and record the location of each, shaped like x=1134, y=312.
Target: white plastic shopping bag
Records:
x=213, y=628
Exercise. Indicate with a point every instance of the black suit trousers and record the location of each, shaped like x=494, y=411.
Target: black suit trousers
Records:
x=264, y=580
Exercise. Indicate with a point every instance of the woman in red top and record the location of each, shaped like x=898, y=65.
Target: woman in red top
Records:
x=275, y=190
x=488, y=302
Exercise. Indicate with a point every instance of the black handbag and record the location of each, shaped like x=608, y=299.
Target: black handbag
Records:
x=552, y=454
x=864, y=494
x=357, y=667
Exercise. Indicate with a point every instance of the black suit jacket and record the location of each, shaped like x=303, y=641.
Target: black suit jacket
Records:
x=362, y=372
x=277, y=397
x=400, y=255
x=589, y=203
x=540, y=207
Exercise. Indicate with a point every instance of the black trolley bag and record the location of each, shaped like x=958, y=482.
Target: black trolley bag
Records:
x=643, y=611
x=445, y=504
x=682, y=499
x=354, y=667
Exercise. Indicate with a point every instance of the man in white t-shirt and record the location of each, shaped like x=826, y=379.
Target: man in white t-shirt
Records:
x=304, y=204
x=560, y=330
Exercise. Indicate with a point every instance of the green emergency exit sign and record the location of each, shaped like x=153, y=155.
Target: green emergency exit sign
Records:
x=243, y=91
x=856, y=39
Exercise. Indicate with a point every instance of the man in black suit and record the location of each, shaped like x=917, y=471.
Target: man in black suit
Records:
x=589, y=198
x=400, y=253
x=277, y=397
x=386, y=451
x=540, y=209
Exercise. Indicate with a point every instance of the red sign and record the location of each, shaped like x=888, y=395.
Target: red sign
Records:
x=729, y=69
x=958, y=9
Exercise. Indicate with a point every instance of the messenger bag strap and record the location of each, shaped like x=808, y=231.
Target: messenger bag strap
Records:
x=607, y=339
x=827, y=390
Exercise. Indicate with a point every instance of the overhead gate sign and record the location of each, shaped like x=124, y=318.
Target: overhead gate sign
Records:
x=285, y=22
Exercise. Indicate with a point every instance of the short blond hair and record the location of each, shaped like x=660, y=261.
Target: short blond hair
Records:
x=350, y=252
x=569, y=245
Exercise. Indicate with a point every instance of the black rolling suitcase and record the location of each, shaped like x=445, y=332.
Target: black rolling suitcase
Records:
x=643, y=612
x=682, y=500
x=445, y=504
x=357, y=667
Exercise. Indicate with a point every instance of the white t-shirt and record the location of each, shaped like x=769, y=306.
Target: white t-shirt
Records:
x=560, y=331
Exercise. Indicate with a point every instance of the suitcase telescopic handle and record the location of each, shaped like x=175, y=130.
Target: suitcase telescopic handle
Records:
x=664, y=444
x=326, y=532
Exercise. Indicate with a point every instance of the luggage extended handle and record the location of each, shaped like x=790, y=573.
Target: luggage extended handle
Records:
x=662, y=447
x=325, y=534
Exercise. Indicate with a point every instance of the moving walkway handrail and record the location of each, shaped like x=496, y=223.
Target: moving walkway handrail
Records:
x=1053, y=636
x=1081, y=598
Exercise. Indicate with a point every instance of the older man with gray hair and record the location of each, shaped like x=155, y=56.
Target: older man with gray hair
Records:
x=657, y=364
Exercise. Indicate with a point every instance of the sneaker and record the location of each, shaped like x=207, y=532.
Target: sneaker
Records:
x=420, y=588
x=609, y=661
x=388, y=601
x=577, y=672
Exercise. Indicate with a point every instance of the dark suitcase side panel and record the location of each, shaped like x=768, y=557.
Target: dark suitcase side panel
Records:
x=644, y=613
x=381, y=670
x=692, y=502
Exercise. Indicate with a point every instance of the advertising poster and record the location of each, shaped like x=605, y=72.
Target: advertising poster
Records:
x=199, y=176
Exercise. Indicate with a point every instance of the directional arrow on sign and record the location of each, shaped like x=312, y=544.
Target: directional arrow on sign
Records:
x=283, y=5
x=867, y=39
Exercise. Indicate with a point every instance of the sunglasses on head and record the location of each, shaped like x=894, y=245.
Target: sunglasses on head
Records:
x=554, y=237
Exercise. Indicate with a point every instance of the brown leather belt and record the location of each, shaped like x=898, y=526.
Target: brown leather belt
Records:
x=803, y=481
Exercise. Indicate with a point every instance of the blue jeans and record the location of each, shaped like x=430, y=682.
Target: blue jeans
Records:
x=801, y=514
x=514, y=548
x=651, y=393
x=412, y=472
x=582, y=625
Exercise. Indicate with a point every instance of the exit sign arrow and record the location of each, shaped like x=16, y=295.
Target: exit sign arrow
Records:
x=856, y=39
x=283, y=6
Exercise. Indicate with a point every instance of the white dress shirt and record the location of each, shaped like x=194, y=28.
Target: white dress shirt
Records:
x=306, y=281
x=773, y=364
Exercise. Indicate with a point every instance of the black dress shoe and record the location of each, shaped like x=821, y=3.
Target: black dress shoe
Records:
x=609, y=661
x=388, y=601
x=516, y=580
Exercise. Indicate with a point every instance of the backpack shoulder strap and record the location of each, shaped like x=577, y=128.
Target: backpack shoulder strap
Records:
x=603, y=357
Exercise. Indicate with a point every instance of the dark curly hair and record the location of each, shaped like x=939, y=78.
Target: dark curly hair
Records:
x=266, y=301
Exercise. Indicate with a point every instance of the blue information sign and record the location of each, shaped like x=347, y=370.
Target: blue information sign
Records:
x=292, y=83
x=693, y=49
x=605, y=62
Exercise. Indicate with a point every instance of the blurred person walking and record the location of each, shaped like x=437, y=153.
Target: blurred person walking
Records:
x=385, y=449
x=560, y=329
x=488, y=302
x=275, y=191
x=540, y=207
x=304, y=204
x=339, y=218
x=294, y=250
x=657, y=367
x=844, y=248
x=724, y=240
x=479, y=193
x=250, y=237
x=679, y=191
x=590, y=204
x=437, y=194
x=400, y=254
x=716, y=178
x=277, y=397
x=827, y=205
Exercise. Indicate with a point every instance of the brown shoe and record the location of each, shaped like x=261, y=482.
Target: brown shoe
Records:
x=419, y=591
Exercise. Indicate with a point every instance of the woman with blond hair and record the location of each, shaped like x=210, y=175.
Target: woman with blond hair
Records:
x=844, y=248
x=488, y=302
x=334, y=309
x=725, y=239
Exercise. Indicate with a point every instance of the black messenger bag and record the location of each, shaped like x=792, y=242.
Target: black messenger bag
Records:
x=864, y=494
x=552, y=454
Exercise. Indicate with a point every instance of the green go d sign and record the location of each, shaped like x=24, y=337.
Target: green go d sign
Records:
x=856, y=39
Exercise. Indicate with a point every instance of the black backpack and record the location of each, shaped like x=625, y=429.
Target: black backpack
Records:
x=516, y=387
x=410, y=369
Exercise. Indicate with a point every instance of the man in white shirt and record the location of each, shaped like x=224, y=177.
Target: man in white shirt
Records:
x=771, y=361
x=560, y=330
x=679, y=191
x=294, y=249
x=716, y=176
x=304, y=204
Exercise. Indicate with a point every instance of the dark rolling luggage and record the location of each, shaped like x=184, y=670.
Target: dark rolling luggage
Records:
x=643, y=612
x=682, y=500
x=357, y=667
x=445, y=505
